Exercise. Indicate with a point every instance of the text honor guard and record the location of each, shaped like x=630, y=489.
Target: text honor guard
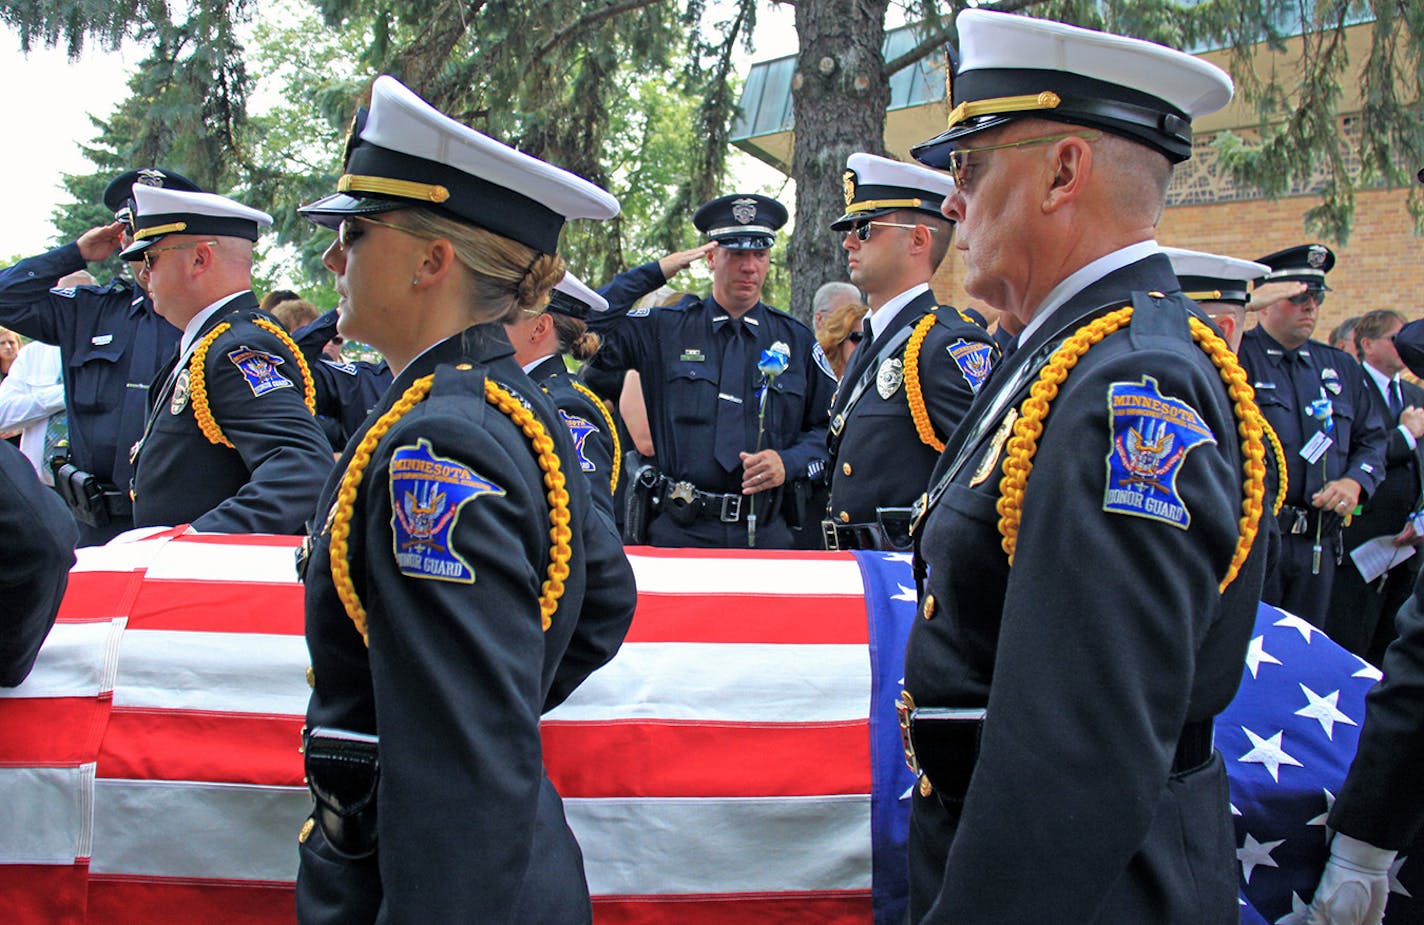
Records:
x=459, y=581
x=737, y=391
x=910, y=381
x=1089, y=547
x=1318, y=401
x=231, y=444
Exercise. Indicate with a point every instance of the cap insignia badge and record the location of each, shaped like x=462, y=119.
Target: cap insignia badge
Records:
x=1315, y=256
x=744, y=210
x=849, y=180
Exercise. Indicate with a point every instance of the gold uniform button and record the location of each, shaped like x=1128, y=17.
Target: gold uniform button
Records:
x=311, y=677
x=306, y=831
x=845, y=467
x=845, y=517
x=929, y=607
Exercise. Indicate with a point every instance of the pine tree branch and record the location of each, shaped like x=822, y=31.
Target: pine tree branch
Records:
x=608, y=12
x=941, y=37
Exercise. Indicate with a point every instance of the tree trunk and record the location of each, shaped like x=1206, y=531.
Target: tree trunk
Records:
x=839, y=96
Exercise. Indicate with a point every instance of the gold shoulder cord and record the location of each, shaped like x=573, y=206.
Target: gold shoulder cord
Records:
x=1283, y=477
x=913, y=393
x=612, y=430
x=558, y=496
x=1024, y=443
x=198, y=386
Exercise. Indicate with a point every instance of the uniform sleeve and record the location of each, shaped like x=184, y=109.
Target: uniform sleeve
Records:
x=1091, y=679
x=281, y=444
x=1369, y=438
x=456, y=670
x=26, y=303
x=1381, y=801
x=626, y=341
x=631, y=285
x=38, y=534
x=609, y=600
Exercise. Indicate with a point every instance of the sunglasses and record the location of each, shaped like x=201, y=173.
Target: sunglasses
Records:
x=861, y=230
x=856, y=336
x=351, y=230
x=959, y=157
x=150, y=254
x=1305, y=298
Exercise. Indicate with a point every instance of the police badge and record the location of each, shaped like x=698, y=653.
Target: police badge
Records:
x=744, y=210
x=1315, y=256
x=180, y=394
x=889, y=377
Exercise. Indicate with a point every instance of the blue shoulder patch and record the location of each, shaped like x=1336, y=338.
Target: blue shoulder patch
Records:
x=66, y=292
x=259, y=368
x=579, y=429
x=1151, y=435
x=643, y=312
x=975, y=359
x=348, y=368
x=427, y=493
x=823, y=362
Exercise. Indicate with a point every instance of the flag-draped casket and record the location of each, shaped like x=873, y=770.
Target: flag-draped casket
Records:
x=738, y=762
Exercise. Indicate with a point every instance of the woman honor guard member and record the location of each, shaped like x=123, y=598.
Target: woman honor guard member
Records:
x=541, y=340
x=458, y=579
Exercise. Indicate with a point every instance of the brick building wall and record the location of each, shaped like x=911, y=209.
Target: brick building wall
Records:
x=1382, y=266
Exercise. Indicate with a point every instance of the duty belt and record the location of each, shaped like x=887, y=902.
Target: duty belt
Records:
x=699, y=504
x=890, y=531
x=941, y=750
x=1301, y=520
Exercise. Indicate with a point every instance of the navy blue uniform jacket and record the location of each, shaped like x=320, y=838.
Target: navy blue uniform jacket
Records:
x=37, y=535
x=1105, y=637
x=587, y=425
x=881, y=460
x=269, y=480
x=345, y=392
x=112, y=345
x=458, y=672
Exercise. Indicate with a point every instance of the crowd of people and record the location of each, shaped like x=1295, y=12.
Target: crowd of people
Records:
x=1096, y=493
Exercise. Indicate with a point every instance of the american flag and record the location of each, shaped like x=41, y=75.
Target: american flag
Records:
x=738, y=762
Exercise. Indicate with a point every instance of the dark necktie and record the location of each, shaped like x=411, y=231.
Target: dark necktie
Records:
x=730, y=437
x=1396, y=401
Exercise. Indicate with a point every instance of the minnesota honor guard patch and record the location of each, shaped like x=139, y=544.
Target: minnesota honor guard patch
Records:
x=974, y=358
x=427, y=492
x=259, y=368
x=579, y=429
x=1151, y=436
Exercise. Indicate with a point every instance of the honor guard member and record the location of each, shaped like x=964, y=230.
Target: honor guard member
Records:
x=460, y=580
x=230, y=444
x=1220, y=285
x=1092, y=537
x=909, y=382
x=1379, y=812
x=346, y=390
x=737, y=391
x=1361, y=615
x=541, y=341
x=1318, y=402
x=111, y=343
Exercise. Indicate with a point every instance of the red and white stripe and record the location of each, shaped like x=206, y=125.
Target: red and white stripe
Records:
x=149, y=770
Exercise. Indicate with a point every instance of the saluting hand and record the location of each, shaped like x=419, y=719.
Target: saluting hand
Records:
x=675, y=263
x=98, y=243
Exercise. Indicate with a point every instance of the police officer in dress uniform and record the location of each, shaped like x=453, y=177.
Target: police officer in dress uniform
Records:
x=346, y=390
x=1093, y=550
x=37, y=534
x=890, y=417
x=111, y=343
x=1361, y=615
x=541, y=341
x=1379, y=812
x=445, y=607
x=1318, y=402
x=721, y=466
x=230, y=444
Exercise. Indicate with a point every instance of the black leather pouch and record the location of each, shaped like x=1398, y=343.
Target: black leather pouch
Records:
x=343, y=769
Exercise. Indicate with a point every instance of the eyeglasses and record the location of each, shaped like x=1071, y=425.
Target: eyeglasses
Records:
x=856, y=336
x=351, y=230
x=1305, y=298
x=959, y=157
x=152, y=252
x=861, y=230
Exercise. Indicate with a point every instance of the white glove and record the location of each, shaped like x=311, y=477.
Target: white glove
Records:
x=1355, y=885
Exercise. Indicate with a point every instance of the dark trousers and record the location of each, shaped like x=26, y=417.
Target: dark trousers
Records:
x=1292, y=587
x=1361, y=617
x=709, y=533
